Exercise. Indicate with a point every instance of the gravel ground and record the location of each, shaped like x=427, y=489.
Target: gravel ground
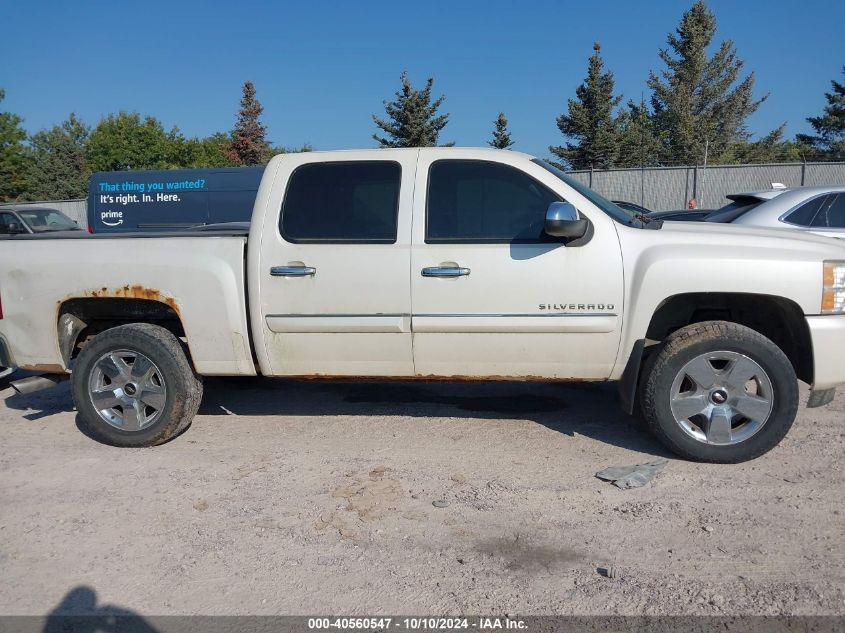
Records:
x=290, y=497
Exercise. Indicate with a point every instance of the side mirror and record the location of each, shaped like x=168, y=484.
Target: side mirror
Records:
x=15, y=228
x=563, y=220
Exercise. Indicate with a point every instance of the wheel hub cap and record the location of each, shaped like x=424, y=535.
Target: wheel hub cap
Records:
x=127, y=390
x=721, y=398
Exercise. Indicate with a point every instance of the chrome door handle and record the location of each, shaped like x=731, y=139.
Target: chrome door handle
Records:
x=444, y=271
x=293, y=271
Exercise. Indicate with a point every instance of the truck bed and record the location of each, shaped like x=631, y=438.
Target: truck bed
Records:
x=199, y=276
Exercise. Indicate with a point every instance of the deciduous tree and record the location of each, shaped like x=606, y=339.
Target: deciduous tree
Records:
x=13, y=157
x=125, y=141
x=57, y=169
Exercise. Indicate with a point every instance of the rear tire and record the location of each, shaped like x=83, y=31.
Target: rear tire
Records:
x=133, y=386
x=719, y=392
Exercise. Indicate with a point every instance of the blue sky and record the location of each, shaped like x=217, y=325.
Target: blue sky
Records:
x=322, y=69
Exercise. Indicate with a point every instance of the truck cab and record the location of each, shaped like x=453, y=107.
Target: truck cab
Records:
x=429, y=263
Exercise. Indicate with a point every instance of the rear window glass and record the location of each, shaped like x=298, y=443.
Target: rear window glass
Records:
x=342, y=202
x=733, y=210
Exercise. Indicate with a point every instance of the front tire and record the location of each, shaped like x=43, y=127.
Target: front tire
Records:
x=133, y=386
x=719, y=392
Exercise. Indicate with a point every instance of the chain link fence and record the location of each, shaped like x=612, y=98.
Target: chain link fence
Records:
x=669, y=188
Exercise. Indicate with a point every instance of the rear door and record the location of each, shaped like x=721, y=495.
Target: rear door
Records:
x=333, y=273
x=492, y=294
x=830, y=219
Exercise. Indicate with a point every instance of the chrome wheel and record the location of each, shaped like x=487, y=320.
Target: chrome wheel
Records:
x=721, y=398
x=127, y=389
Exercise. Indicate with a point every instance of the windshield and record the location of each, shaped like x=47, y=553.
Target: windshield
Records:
x=733, y=210
x=44, y=220
x=631, y=218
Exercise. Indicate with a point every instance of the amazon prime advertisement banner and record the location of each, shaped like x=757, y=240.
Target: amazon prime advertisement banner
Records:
x=170, y=199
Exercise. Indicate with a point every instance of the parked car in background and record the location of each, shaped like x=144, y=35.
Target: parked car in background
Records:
x=682, y=215
x=819, y=210
x=26, y=219
x=631, y=206
x=741, y=203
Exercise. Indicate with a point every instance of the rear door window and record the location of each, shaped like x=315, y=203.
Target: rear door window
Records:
x=342, y=202
x=806, y=213
x=832, y=214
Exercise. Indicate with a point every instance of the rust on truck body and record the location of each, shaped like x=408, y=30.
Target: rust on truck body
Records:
x=135, y=291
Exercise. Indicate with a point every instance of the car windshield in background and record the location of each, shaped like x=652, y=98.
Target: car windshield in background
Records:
x=620, y=215
x=630, y=206
x=44, y=220
x=730, y=212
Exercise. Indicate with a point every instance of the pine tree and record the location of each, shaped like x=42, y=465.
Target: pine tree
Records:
x=58, y=170
x=249, y=145
x=411, y=120
x=501, y=135
x=639, y=145
x=591, y=122
x=772, y=148
x=13, y=158
x=697, y=101
x=829, y=140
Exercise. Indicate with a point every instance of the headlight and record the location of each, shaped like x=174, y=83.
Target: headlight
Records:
x=833, y=292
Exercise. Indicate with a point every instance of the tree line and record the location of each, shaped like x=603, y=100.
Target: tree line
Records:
x=697, y=112
x=55, y=164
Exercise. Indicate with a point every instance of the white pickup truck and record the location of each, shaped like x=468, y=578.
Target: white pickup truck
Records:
x=435, y=263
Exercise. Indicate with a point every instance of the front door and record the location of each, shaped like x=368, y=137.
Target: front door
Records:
x=492, y=294
x=334, y=290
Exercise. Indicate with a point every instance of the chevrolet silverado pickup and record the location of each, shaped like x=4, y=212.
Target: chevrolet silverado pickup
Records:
x=435, y=263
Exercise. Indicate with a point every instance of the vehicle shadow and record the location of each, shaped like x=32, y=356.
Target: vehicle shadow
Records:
x=78, y=612
x=588, y=409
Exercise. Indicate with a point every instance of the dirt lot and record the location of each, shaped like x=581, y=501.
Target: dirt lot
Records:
x=288, y=497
